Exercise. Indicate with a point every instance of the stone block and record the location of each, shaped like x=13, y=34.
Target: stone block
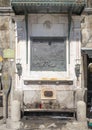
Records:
x=4, y=3
x=13, y=124
x=81, y=111
x=15, y=111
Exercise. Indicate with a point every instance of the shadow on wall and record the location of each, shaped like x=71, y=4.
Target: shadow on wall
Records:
x=4, y=3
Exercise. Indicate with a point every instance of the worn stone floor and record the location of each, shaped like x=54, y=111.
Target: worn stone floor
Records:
x=39, y=123
x=45, y=123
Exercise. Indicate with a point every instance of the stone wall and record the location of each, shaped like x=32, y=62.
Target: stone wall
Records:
x=89, y=3
x=4, y=32
x=86, y=27
x=87, y=31
x=7, y=40
x=7, y=33
x=4, y=3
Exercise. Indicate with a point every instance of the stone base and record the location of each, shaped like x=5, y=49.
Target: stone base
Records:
x=13, y=125
x=81, y=111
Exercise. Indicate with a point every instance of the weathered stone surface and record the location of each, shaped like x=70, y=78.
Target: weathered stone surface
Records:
x=7, y=40
x=4, y=32
x=7, y=34
x=87, y=32
x=18, y=95
x=80, y=94
x=15, y=111
x=81, y=111
x=89, y=3
x=4, y=3
x=13, y=124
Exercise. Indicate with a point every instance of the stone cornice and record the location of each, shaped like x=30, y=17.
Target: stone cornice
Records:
x=6, y=10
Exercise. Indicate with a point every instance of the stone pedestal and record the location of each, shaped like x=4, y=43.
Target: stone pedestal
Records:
x=16, y=125
x=81, y=111
x=15, y=111
x=14, y=122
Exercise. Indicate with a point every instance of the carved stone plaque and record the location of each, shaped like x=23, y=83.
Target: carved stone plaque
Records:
x=48, y=55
